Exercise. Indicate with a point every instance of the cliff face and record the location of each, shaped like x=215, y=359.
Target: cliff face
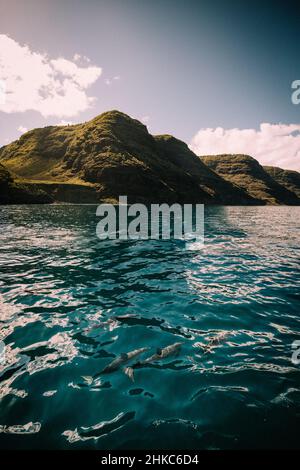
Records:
x=248, y=174
x=178, y=154
x=288, y=178
x=114, y=155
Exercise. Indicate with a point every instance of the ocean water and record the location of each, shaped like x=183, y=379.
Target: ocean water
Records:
x=70, y=304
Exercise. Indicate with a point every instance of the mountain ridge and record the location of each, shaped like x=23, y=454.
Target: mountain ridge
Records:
x=114, y=154
x=290, y=179
x=247, y=173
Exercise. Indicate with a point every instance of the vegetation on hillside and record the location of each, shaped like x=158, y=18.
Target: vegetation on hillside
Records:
x=288, y=178
x=248, y=174
x=114, y=155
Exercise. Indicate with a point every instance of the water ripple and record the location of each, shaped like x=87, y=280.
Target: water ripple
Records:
x=70, y=304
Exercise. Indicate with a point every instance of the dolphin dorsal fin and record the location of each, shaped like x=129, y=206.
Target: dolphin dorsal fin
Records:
x=129, y=372
x=159, y=351
x=88, y=379
x=124, y=356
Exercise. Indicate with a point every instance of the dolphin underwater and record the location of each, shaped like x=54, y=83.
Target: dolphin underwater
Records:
x=215, y=341
x=122, y=360
x=112, y=322
x=160, y=354
x=164, y=352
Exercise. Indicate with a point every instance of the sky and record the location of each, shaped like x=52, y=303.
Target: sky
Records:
x=217, y=74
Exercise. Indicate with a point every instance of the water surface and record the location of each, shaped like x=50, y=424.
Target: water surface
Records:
x=61, y=289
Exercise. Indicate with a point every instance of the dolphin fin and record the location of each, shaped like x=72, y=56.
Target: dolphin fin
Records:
x=88, y=379
x=159, y=351
x=129, y=372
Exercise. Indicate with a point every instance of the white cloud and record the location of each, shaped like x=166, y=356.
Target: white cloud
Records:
x=52, y=87
x=22, y=129
x=78, y=57
x=272, y=144
x=82, y=76
x=2, y=92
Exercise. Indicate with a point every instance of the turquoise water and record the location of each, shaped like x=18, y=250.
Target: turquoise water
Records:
x=59, y=285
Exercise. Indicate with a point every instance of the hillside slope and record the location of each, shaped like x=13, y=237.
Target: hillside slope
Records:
x=290, y=179
x=249, y=175
x=118, y=156
x=114, y=155
x=178, y=154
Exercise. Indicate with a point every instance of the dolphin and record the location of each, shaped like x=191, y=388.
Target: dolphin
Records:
x=164, y=352
x=215, y=341
x=161, y=353
x=111, y=323
x=122, y=360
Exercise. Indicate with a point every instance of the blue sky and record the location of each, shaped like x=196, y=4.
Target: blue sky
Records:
x=180, y=66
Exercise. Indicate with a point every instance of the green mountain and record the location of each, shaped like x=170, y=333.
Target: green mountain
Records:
x=178, y=154
x=114, y=155
x=245, y=172
x=288, y=178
